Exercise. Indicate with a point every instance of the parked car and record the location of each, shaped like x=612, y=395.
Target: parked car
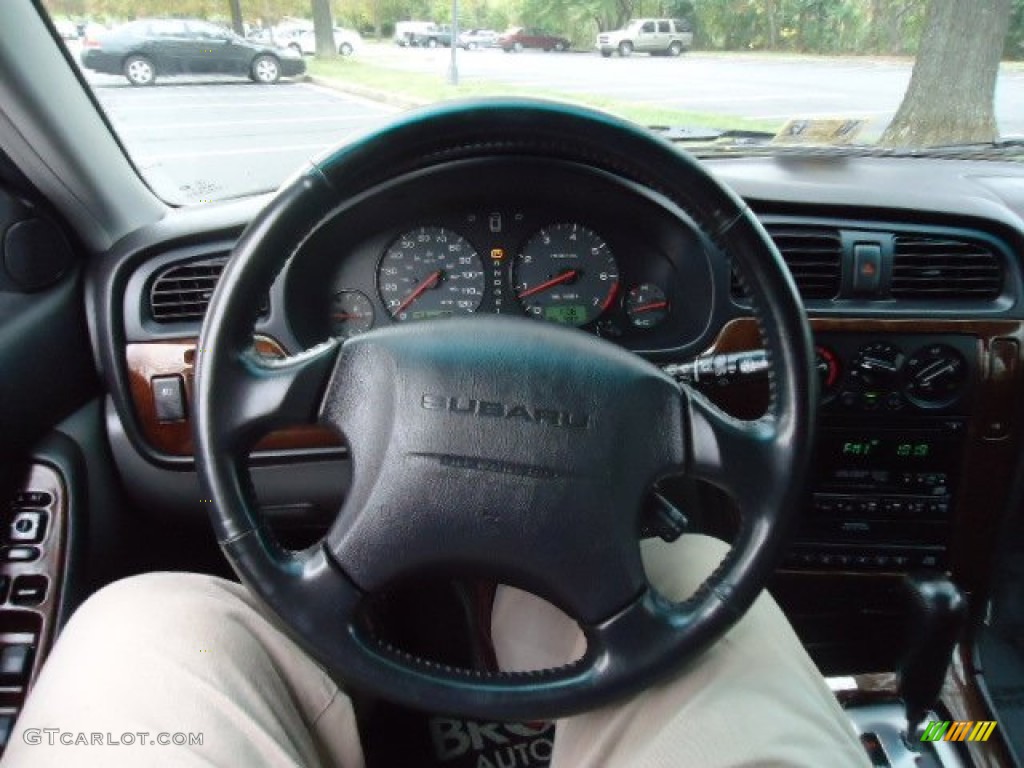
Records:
x=477, y=38
x=518, y=38
x=432, y=36
x=145, y=49
x=404, y=31
x=658, y=37
x=345, y=41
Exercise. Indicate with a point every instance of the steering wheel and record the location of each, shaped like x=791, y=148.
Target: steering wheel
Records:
x=518, y=450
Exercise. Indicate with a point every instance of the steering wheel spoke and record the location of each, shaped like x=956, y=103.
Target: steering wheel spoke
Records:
x=262, y=394
x=739, y=457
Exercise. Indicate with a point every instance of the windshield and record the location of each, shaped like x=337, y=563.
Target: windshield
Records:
x=217, y=99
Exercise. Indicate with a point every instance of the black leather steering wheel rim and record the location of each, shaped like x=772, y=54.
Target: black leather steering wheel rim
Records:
x=635, y=637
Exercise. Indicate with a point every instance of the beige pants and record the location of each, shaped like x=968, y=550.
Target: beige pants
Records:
x=158, y=657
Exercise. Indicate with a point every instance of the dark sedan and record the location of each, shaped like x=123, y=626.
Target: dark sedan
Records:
x=518, y=38
x=142, y=50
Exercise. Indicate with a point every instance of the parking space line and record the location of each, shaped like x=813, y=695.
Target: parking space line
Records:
x=388, y=108
x=246, y=123
x=145, y=160
x=176, y=107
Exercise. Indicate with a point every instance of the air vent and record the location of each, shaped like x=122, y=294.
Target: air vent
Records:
x=814, y=258
x=182, y=292
x=933, y=268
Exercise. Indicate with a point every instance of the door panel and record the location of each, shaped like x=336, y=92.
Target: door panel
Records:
x=45, y=358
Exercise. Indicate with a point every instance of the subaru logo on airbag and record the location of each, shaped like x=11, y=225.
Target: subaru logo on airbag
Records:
x=508, y=411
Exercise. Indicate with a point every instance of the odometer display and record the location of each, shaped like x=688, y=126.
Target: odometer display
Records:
x=565, y=273
x=430, y=272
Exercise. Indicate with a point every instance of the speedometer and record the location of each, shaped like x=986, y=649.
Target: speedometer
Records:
x=566, y=273
x=430, y=272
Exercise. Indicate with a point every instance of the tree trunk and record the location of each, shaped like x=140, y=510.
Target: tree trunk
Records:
x=951, y=96
x=771, y=11
x=323, y=29
x=876, y=16
x=236, y=17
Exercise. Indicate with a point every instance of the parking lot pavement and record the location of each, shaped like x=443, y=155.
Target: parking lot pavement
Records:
x=767, y=87
x=201, y=139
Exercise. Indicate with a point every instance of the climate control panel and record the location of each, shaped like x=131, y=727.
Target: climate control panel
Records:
x=895, y=373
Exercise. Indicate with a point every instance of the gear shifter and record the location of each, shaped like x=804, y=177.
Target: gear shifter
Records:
x=938, y=610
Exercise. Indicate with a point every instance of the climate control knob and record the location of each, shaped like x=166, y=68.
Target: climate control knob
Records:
x=877, y=366
x=935, y=375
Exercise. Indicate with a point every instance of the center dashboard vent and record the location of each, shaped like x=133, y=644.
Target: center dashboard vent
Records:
x=925, y=268
x=182, y=292
x=814, y=256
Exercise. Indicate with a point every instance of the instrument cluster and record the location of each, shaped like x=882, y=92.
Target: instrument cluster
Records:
x=596, y=275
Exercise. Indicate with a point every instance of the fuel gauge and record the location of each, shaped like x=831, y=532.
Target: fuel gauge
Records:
x=646, y=305
x=351, y=314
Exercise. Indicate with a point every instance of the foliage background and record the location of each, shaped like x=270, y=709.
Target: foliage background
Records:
x=886, y=27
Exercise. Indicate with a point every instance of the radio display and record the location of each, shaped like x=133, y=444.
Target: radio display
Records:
x=849, y=459
x=877, y=447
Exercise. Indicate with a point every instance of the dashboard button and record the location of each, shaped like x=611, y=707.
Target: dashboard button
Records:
x=867, y=267
x=168, y=398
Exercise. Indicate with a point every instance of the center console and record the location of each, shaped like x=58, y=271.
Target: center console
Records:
x=889, y=453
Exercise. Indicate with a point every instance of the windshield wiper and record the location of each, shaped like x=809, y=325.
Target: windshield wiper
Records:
x=1009, y=142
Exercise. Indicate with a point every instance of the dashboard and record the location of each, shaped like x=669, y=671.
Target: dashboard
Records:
x=910, y=271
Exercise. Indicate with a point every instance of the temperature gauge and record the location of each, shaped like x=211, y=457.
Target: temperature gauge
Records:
x=351, y=314
x=646, y=305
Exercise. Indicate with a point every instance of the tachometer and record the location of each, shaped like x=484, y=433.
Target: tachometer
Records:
x=566, y=273
x=430, y=272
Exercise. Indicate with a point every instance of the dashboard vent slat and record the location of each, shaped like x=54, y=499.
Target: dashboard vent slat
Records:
x=813, y=255
x=182, y=292
x=934, y=268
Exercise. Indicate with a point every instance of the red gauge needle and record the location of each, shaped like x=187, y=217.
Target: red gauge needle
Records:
x=565, y=277
x=348, y=316
x=432, y=279
x=654, y=305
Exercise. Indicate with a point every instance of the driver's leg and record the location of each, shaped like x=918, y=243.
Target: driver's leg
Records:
x=755, y=697
x=177, y=653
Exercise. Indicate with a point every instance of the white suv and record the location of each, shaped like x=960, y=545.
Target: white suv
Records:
x=658, y=37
